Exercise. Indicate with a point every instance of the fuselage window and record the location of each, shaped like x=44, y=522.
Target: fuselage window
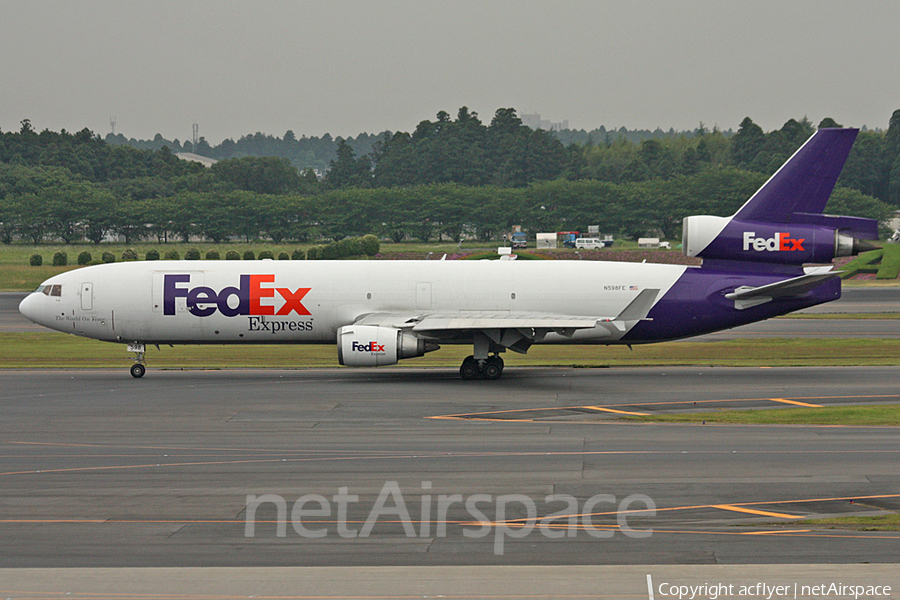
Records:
x=56, y=290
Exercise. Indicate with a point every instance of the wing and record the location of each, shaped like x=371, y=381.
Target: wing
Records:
x=516, y=331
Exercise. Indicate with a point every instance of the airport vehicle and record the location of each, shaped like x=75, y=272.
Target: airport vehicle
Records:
x=518, y=240
x=567, y=238
x=589, y=244
x=380, y=312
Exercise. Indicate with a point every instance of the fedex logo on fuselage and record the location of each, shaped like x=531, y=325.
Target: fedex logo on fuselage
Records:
x=370, y=347
x=251, y=297
x=782, y=242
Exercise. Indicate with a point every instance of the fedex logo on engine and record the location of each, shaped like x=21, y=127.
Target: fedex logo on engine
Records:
x=370, y=347
x=782, y=242
x=251, y=297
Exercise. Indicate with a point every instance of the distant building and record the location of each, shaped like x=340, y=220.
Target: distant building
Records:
x=534, y=121
x=191, y=157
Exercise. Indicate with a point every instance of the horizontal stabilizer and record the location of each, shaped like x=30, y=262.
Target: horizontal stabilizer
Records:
x=744, y=297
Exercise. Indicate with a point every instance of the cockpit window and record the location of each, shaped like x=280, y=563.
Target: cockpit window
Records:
x=50, y=290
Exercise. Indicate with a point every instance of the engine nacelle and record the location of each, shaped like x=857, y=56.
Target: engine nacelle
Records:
x=726, y=238
x=372, y=346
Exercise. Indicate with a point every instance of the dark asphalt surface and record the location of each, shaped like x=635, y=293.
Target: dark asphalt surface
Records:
x=100, y=470
x=10, y=319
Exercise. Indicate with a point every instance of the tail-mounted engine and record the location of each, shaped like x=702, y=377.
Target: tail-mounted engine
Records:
x=371, y=346
x=819, y=239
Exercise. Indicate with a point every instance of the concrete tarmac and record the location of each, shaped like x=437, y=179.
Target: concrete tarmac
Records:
x=772, y=582
x=11, y=320
x=255, y=483
x=417, y=468
x=871, y=328
x=861, y=300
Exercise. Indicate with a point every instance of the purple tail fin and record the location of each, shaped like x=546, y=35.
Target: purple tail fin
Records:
x=783, y=222
x=804, y=183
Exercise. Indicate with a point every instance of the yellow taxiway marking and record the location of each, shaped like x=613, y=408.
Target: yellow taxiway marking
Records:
x=481, y=416
x=751, y=511
x=618, y=412
x=795, y=403
x=779, y=532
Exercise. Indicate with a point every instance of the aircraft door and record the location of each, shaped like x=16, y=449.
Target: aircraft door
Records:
x=87, y=296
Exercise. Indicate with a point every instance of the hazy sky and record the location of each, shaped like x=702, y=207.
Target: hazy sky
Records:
x=346, y=67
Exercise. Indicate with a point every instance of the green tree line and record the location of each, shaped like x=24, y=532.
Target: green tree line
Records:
x=73, y=210
x=506, y=153
x=449, y=179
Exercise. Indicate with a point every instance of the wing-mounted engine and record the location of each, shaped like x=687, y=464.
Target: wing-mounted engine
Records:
x=372, y=346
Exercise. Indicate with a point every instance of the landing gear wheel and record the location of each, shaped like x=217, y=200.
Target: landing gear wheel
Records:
x=469, y=368
x=493, y=368
x=138, y=370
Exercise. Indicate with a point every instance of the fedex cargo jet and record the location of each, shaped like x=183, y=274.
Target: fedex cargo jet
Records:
x=755, y=266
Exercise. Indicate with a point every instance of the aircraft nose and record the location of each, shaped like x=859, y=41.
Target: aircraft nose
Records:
x=29, y=307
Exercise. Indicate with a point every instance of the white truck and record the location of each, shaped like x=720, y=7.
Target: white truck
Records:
x=589, y=244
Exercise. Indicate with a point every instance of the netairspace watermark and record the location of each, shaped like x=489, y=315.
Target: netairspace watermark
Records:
x=712, y=591
x=311, y=515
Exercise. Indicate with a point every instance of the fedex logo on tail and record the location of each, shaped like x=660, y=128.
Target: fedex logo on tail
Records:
x=782, y=242
x=255, y=295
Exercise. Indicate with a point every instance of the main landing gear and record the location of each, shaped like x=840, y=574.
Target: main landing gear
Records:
x=490, y=368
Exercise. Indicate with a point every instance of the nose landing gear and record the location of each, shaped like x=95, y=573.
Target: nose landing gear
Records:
x=138, y=369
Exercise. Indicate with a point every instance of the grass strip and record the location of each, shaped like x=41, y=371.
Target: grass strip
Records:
x=19, y=278
x=59, y=350
x=878, y=523
x=890, y=262
x=880, y=414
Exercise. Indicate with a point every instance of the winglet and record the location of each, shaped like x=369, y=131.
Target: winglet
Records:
x=638, y=308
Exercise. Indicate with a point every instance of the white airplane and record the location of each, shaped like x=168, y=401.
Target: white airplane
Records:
x=379, y=312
